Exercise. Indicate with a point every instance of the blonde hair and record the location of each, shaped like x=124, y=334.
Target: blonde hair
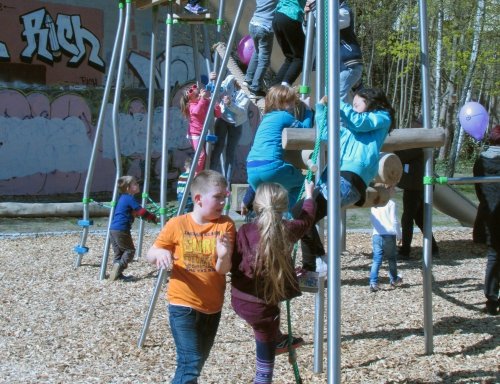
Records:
x=206, y=179
x=184, y=104
x=125, y=182
x=272, y=261
x=280, y=98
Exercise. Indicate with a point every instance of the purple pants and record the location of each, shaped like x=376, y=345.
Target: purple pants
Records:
x=263, y=318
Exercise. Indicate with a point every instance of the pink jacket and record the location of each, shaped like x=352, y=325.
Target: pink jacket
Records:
x=197, y=113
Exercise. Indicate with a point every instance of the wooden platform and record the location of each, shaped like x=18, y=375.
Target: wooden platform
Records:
x=179, y=13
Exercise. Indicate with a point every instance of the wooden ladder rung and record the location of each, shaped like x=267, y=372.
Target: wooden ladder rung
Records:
x=146, y=4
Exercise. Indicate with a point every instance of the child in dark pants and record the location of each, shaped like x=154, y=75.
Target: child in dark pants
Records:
x=121, y=239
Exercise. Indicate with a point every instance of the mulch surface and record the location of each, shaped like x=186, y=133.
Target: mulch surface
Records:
x=64, y=325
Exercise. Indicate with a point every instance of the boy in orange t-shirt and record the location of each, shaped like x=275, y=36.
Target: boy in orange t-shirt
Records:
x=197, y=248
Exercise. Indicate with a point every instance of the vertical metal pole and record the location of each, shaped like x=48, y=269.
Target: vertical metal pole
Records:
x=305, y=88
x=429, y=166
x=218, y=32
x=166, y=115
x=206, y=50
x=98, y=135
x=116, y=135
x=334, y=211
x=196, y=51
x=150, y=122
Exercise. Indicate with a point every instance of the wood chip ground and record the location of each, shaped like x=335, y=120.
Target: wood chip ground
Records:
x=64, y=325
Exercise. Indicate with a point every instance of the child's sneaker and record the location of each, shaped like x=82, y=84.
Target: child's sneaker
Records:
x=397, y=283
x=282, y=345
x=374, y=287
x=257, y=94
x=321, y=265
x=196, y=9
x=115, y=272
x=126, y=278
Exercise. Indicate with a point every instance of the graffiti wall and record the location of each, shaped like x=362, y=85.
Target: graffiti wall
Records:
x=61, y=43
x=52, y=72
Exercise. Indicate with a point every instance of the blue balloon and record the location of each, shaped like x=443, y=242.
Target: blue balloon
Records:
x=474, y=119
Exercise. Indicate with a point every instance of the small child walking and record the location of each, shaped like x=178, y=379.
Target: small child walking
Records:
x=121, y=239
x=262, y=273
x=197, y=247
x=386, y=231
x=194, y=105
x=182, y=184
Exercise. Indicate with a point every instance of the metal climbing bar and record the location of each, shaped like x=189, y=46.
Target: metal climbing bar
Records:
x=85, y=223
x=116, y=131
x=334, y=211
x=149, y=129
x=465, y=180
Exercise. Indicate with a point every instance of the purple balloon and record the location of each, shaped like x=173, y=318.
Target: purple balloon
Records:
x=474, y=119
x=245, y=49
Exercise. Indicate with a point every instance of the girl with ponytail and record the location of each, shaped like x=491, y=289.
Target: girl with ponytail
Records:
x=263, y=273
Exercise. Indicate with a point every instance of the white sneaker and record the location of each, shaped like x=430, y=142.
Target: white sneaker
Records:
x=321, y=265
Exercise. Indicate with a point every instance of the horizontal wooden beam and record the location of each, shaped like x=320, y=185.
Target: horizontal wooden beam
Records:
x=14, y=209
x=399, y=139
x=145, y=4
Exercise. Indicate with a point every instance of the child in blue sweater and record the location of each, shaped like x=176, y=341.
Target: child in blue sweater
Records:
x=265, y=161
x=121, y=239
x=367, y=122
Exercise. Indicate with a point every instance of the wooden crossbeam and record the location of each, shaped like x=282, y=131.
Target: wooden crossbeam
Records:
x=399, y=139
x=145, y=4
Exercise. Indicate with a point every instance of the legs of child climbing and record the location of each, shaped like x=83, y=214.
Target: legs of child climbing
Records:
x=280, y=172
x=261, y=58
x=200, y=166
x=348, y=79
x=225, y=130
x=194, y=333
x=291, y=39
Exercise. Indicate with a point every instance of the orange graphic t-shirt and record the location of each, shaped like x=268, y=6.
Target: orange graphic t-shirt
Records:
x=194, y=282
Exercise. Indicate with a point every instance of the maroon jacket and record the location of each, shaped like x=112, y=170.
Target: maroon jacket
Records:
x=247, y=240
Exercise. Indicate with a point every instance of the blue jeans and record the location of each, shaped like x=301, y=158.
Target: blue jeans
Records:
x=348, y=193
x=384, y=245
x=348, y=79
x=261, y=58
x=194, y=333
x=223, y=129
